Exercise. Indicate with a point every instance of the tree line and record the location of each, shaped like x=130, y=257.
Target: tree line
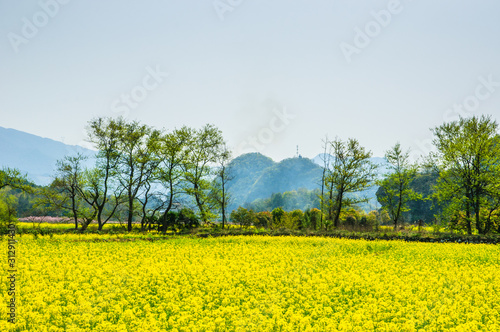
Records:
x=150, y=175
x=142, y=172
x=466, y=164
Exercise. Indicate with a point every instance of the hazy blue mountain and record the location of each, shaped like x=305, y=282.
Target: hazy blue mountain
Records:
x=287, y=175
x=33, y=154
x=257, y=176
x=245, y=171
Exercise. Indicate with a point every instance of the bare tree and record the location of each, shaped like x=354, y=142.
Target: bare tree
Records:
x=223, y=177
x=326, y=162
x=68, y=181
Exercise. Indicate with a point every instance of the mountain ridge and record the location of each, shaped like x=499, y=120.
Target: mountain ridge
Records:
x=34, y=155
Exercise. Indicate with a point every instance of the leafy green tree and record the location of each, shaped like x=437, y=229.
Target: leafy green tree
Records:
x=136, y=162
x=279, y=217
x=204, y=150
x=425, y=209
x=100, y=184
x=468, y=161
x=8, y=212
x=11, y=177
x=395, y=189
x=301, y=199
x=184, y=219
x=350, y=171
x=67, y=185
x=172, y=150
x=98, y=194
x=492, y=209
x=264, y=219
x=295, y=219
x=313, y=218
x=243, y=217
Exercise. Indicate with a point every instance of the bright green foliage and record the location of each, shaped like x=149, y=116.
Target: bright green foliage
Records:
x=312, y=218
x=205, y=147
x=8, y=205
x=136, y=163
x=350, y=171
x=100, y=188
x=264, y=219
x=294, y=219
x=243, y=217
x=171, y=149
x=468, y=160
x=396, y=192
x=279, y=216
x=302, y=199
x=10, y=177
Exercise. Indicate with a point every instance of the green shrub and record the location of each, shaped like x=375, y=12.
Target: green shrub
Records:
x=264, y=219
x=243, y=217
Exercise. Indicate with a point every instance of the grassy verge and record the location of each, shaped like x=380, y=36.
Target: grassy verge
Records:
x=426, y=234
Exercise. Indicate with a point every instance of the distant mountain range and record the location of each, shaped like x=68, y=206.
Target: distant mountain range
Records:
x=255, y=176
x=33, y=154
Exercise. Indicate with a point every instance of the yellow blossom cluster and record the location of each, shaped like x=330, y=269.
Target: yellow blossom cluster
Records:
x=82, y=283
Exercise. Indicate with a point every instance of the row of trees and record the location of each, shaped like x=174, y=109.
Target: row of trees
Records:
x=147, y=173
x=466, y=162
x=309, y=219
x=300, y=199
x=144, y=171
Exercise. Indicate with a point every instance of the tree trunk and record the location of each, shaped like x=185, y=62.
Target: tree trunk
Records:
x=398, y=213
x=130, y=213
x=99, y=217
x=330, y=207
x=479, y=225
x=223, y=205
x=75, y=213
x=322, y=201
x=199, y=204
x=467, y=217
x=338, y=201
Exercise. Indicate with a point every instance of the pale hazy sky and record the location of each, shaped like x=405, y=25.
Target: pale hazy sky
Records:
x=270, y=74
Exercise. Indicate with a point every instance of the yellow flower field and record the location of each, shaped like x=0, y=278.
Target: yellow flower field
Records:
x=81, y=283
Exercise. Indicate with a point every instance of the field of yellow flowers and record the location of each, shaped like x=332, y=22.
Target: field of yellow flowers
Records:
x=133, y=283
